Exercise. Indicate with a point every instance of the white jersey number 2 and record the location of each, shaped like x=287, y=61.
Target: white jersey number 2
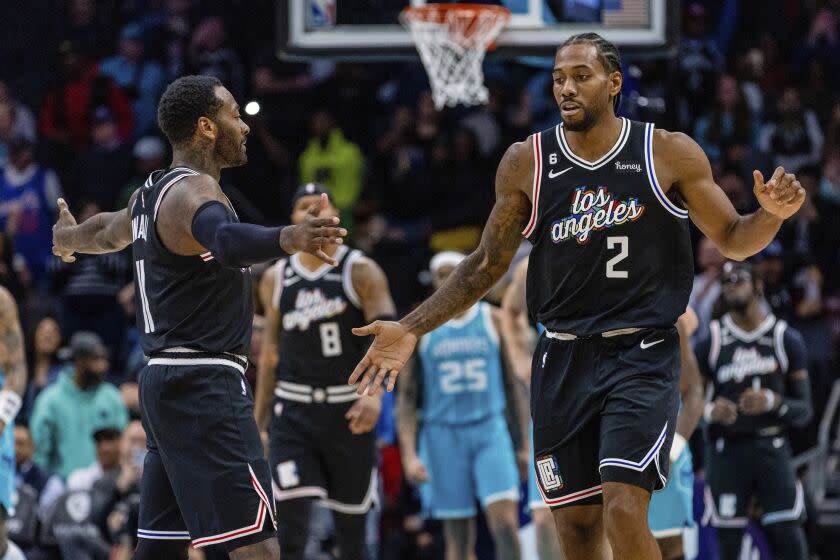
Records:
x=622, y=243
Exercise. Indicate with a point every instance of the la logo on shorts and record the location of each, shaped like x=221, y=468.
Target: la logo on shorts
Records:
x=549, y=476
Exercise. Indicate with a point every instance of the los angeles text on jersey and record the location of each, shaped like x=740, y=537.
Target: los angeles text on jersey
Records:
x=311, y=305
x=594, y=210
x=747, y=362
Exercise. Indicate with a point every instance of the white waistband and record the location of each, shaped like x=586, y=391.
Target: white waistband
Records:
x=193, y=350
x=308, y=394
x=605, y=334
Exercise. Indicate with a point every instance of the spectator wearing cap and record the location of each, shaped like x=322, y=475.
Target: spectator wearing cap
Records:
x=149, y=154
x=67, y=413
x=795, y=137
x=23, y=121
x=142, y=80
x=28, y=194
x=104, y=169
x=107, y=441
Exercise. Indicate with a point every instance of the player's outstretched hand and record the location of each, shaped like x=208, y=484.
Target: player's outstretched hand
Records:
x=314, y=233
x=782, y=195
x=60, y=247
x=363, y=414
x=391, y=348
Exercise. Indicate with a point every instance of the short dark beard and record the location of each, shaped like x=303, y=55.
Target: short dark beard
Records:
x=227, y=150
x=585, y=124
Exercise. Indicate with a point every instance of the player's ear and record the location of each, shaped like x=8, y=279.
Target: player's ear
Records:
x=615, y=83
x=207, y=128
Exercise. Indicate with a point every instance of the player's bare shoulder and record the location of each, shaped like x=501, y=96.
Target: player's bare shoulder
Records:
x=676, y=157
x=178, y=207
x=367, y=276
x=516, y=169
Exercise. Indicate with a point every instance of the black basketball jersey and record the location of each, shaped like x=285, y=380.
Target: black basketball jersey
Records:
x=735, y=360
x=190, y=301
x=611, y=250
x=317, y=311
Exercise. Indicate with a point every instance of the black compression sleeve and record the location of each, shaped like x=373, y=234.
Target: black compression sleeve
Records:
x=234, y=244
x=795, y=409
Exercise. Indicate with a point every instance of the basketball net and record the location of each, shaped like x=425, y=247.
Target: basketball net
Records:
x=452, y=40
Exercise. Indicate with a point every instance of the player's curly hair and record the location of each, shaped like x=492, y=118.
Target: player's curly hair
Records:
x=608, y=54
x=184, y=101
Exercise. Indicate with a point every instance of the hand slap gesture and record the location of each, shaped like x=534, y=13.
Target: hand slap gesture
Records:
x=314, y=233
x=391, y=348
x=60, y=247
x=781, y=196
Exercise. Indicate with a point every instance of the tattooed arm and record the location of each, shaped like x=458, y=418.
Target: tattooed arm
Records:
x=105, y=232
x=12, y=359
x=394, y=342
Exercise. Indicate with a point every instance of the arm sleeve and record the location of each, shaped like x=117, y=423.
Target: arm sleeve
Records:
x=234, y=244
x=795, y=350
x=701, y=351
x=796, y=409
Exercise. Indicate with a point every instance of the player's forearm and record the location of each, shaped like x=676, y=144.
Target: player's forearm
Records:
x=466, y=285
x=795, y=408
x=101, y=233
x=750, y=234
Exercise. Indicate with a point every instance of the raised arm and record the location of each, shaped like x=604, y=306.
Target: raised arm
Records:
x=266, y=377
x=105, y=232
x=12, y=359
x=682, y=165
x=394, y=342
x=197, y=218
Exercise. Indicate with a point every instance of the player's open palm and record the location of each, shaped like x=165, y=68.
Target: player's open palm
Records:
x=61, y=248
x=782, y=195
x=392, y=346
x=315, y=233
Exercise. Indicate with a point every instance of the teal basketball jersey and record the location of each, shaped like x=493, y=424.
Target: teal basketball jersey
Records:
x=461, y=368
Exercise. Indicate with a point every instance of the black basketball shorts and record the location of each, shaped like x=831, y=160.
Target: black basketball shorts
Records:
x=313, y=454
x=739, y=469
x=205, y=477
x=604, y=410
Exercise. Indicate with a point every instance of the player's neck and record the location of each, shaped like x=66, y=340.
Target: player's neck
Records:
x=593, y=143
x=750, y=318
x=200, y=160
x=312, y=263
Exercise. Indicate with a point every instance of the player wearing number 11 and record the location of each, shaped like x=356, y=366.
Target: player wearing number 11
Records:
x=605, y=202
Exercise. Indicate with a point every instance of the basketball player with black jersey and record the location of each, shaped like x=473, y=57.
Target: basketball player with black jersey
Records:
x=605, y=202
x=322, y=444
x=205, y=478
x=756, y=366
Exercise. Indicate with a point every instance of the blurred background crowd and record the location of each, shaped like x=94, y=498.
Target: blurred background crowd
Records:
x=755, y=83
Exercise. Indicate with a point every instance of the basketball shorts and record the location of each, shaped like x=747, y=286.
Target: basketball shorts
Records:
x=314, y=454
x=671, y=510
x=7, y=468
x=739, y=469
x=205, y=477
x=604, y=410
x=467, y=463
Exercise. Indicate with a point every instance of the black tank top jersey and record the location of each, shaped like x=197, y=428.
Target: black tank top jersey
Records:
x=317, y=310
x=735, y=360
x=184, y=301
x=611, y=250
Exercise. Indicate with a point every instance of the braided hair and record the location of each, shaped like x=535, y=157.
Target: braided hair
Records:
x=608, y=54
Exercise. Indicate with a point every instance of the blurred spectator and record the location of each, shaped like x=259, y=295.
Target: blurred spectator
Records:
x=149, y=155
x=88, y=290
x=104, y=169
x=706, y=289
x=23, y=121
x=68, y=412
x=333, y=161
x=832, y=133
x=67, y=114
x=116, y=495
x=143, y=80
x=210, y=56
x=794, y=138
x=44, y=362
x=88, y=25
x=13, y=272
x=821, y=43
x=28, y=207
x=7, y=127
x=48, y=487
x=770, y=266
x=107, y=441
x=733, y=185
x=729, y=122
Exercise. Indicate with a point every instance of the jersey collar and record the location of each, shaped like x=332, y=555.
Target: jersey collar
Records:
x=321, y=270
x=601, y=161
x=749, y=336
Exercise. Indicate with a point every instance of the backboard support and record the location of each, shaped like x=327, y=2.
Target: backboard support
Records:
x=370, y=30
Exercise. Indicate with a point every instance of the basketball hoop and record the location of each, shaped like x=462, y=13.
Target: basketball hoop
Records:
x=452, y=40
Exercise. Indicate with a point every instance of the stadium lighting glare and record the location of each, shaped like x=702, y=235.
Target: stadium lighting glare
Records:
x=252, y=108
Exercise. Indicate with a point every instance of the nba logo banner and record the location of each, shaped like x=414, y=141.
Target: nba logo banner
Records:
x=549, y=476
x=320, y=14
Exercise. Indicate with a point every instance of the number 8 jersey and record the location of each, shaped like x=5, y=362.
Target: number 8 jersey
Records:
x=317, y=310
x=611, y=250
x=461, y=369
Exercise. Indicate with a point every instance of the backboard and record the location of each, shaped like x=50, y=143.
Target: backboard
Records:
x=370, y=29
